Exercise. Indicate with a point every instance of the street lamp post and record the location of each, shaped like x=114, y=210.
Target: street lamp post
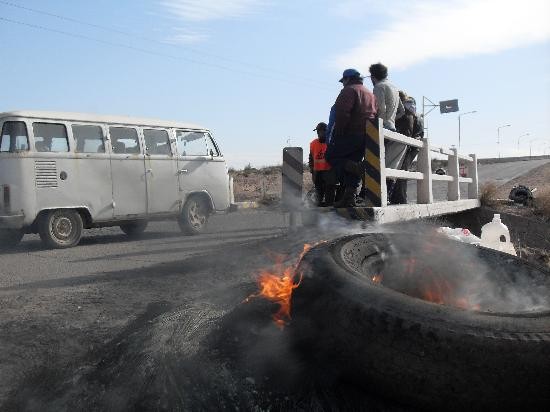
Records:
x=534, y=140
x=459, y=116
x=498, y=137
x=523, y=135
x=531, y=145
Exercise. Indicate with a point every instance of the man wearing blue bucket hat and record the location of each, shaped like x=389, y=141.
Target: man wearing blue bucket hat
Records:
x=353, y=107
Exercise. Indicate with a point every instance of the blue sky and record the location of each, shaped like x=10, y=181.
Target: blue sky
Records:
x=260, y=73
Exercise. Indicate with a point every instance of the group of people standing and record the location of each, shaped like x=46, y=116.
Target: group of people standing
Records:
x=336, y=155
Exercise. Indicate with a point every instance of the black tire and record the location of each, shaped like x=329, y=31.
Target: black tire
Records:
x=194, y=216
x=423, y=354
x=134, y=229
x=10, y=238
x=61, y=228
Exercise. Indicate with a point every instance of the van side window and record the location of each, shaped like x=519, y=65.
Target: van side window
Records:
x=88, y=138
x=14, y=137
x=50, y=137
x=212, y=148
x=157, y=142
x=124, y=140
x=191, y=143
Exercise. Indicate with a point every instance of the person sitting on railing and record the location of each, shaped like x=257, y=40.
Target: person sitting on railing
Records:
x=410, y=125
x=353, y=107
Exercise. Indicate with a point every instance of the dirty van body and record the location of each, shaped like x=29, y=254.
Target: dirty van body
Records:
x=64, y=172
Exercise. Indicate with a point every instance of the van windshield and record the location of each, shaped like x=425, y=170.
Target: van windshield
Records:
x=14, y=137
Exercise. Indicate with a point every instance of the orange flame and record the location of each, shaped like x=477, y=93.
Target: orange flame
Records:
x=442, y=292
x=277, y=286
x=377, y=279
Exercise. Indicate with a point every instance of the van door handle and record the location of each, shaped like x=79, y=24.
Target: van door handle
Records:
x=181, y=171
x=149, y=171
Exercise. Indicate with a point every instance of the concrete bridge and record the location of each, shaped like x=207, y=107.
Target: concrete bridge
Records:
x=462, y=169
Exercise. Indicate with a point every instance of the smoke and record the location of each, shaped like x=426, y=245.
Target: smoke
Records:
x=426, y=265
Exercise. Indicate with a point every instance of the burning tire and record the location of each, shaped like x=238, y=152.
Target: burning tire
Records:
x=431, y=322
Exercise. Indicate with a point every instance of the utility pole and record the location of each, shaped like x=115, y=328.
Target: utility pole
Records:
x=459, y=116
x=523, y=135
x=498, y=137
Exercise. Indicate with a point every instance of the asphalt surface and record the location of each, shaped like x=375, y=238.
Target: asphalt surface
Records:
x=63, y=312
x=500, y=173
x=108, y=249
x=72, y=322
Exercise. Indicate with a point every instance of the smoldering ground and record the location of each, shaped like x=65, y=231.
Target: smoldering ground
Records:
x=205, y=349
x=194, y=346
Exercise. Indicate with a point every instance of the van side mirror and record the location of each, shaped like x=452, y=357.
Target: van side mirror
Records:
x=211, y=153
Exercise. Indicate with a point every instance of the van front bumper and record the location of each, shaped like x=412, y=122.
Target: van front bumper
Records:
x=11, y=221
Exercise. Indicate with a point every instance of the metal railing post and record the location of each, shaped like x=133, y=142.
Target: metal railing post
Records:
x=292, y=182
x=473, y=188
x=424, y=194
x=375, y=177
x=231, y=191
x=454, y=171
x=383, y=185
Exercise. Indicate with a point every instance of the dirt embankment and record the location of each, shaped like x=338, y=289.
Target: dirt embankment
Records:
x=262, y=185
x=496, y=197
x=537, y=178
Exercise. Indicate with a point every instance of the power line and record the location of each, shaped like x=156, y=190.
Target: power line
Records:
x=133, y=35
x=151, y=52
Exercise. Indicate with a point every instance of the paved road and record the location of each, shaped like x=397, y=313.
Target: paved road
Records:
x=504, y=172
x=108, y=249
x=497, y=172
x=69, y=318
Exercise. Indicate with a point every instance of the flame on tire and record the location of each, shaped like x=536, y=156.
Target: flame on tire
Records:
x=421, y=282
x=276, y=285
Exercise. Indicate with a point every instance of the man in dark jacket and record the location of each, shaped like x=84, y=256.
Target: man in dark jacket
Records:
x=354, y=106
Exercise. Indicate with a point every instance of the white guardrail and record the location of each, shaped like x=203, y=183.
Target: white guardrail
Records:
x=424, y=174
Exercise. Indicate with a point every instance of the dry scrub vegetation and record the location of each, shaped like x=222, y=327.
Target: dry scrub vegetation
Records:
x=541, y=203
x=262, y=185
x=488, y=194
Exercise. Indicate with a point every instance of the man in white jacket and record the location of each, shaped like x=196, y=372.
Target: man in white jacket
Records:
x=390, y=108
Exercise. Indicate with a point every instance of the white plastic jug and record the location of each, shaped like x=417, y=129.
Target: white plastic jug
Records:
x=495, y=235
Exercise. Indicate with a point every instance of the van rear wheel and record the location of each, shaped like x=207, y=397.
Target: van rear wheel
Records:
x=134, y=229
x=61, y=228
x=194, y=216
x=10, y=238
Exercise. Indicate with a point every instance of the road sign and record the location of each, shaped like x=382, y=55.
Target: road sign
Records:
x=448, y=106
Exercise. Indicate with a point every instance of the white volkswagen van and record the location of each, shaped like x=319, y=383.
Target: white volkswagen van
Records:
x=64, y=172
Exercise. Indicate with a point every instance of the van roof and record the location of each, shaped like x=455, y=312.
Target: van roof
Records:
x=90, y=117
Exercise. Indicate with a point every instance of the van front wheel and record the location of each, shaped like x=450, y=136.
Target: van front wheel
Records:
x=10, y=237
x=60, y=228
x=194, y=216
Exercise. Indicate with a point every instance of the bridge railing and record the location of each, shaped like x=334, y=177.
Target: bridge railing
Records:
x=424, y=174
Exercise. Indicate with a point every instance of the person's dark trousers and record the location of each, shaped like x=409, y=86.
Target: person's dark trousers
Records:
x=398, y=194
x=320, y=185
x=339, y=152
